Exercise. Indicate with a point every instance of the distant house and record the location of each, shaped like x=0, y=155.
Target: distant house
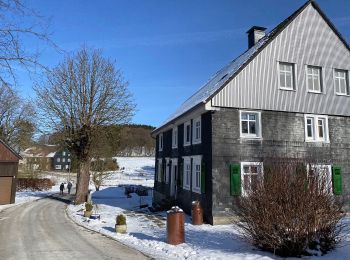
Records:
x=46, y=158
x=287, y=96
x=62, y=160
x=38, y=157
x=8, y=173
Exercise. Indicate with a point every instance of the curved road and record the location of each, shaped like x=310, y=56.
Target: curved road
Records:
x=41, y=230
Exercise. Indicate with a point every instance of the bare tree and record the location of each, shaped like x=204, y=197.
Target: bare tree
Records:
x=18, y=24
x=16, y=118
x=82, y=93
x=102, y=170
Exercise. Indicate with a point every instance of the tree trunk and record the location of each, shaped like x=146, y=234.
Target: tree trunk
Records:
x=83, y=182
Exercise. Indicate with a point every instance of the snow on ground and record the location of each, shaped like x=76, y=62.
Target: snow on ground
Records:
x=26, y=196
x=147, y=231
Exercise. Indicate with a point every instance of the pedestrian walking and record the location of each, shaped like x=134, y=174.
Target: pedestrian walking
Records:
x=69, y=186
x=61, y=188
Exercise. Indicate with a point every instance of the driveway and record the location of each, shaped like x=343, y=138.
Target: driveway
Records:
x=41, y=230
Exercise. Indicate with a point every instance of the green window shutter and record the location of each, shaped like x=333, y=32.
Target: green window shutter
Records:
x=235, y=179
x=203, y=178
x=337, y=180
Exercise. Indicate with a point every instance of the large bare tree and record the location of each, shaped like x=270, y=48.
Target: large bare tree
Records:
x=83, y=92
x=16, y=118
x=20, y=26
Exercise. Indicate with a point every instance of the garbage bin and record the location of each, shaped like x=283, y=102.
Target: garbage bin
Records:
x=197, y=213
x=175, y=226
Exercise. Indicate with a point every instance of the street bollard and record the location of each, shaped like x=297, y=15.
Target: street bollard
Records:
x=175, y=226
x=197, y=213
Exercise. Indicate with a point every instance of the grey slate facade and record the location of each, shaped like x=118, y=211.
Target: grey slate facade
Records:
x=62, y=160
x=246, y=117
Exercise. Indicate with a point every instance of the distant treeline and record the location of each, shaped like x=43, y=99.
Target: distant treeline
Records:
x=117, y=140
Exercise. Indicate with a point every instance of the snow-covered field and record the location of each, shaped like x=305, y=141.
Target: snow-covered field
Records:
x=26, y=196
x=147, y=231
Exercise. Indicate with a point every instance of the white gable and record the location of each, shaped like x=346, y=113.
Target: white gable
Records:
x=307, y=40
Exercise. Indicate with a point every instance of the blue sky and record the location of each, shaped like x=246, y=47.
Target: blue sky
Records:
x=166, y=49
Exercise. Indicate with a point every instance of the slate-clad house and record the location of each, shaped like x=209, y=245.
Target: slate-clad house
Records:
x=8, y=173
x=62, y=160
x=287, y=96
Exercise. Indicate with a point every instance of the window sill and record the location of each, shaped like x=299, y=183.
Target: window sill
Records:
x=196, y=190
x=314, y=92
x=341, y=94
x=197, y=142
x=288, y=89
x=174, y=147
x=317, y=141
x=186, y=188
x=187, y=144
x=249, y=137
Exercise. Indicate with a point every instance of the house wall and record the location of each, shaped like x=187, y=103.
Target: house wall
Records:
x=282, y=136
x=8, y=169
x=185, y=197
x=308, y=40
x=64, y=164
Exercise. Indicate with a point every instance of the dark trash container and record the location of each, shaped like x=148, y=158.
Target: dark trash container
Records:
x=175, y=226
x=197, y=213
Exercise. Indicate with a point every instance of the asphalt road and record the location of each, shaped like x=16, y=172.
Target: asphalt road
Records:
x=41, y=230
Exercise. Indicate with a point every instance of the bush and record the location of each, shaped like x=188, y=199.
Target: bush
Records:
x=121, y=219
x=291, y=212
x=88, y=206
x=33, y=184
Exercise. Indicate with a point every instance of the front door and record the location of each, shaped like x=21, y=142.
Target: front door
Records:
x=173, y=178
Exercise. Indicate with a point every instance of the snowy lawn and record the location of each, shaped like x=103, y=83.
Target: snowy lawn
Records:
x=147, y=231
x=26, y=196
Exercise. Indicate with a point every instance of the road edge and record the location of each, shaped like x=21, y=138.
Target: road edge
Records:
x=110, y=237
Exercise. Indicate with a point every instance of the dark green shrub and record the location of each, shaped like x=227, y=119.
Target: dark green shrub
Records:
x=121, y=219
x=88, y=206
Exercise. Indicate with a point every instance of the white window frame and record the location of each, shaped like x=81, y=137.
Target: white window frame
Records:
x=187, y=173
x=258, y=124
x=58, y=159
x=347, y=82
x=63, y=153
x=197, y=139
x=260, y=164
x=58, y=167
x=174, y=137
x=161, y=142
x=196, y=175
x=329, y=176
x=68, y=160
x=167, y=170
x=63, y=159
x=320, y=77
x=315, y=130
x=293, y=75
x=159, y=173
x=187, y=143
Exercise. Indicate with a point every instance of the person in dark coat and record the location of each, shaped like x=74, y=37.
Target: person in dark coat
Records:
x=61, y=188
x=69, y=187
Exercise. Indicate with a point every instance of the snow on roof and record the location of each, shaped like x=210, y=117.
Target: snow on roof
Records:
x=216, y=81
x=51, y=154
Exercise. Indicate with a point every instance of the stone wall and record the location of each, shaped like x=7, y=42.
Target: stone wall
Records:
x=283, y=136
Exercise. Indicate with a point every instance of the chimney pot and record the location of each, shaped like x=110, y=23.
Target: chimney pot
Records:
x=255, y=34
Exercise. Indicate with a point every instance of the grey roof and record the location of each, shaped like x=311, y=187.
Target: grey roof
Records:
x=216, y=81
